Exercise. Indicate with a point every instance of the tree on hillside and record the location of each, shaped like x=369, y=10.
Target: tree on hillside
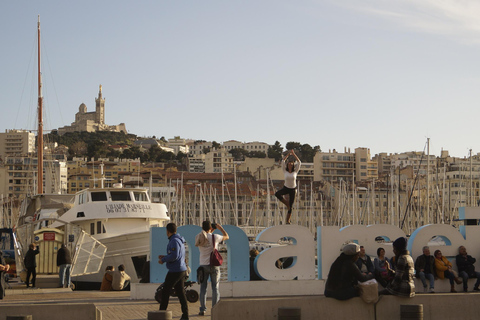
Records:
x=256, y=154
x=275, y=151
x=238, y=154
x=304, y=151
x=78, y=148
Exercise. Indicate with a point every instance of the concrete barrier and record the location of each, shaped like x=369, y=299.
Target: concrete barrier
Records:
x=435, y=306
x=146, y=291
x=239, y=289
x=60, y=311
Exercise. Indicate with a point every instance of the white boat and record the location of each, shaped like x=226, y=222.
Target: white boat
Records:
x=120, y=218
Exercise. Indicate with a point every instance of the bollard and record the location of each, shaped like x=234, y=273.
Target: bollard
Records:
x=29, y=317
x=411, y=311
x=289, y=313
x=160, y=315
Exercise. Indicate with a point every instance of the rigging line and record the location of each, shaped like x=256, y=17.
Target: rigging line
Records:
x=413, y=188
x=53, y=82
x=25, y=81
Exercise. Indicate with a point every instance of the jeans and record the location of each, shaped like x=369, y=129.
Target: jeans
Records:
x=175, y=280
x=449, y=275
x=465, y=277
x=64, y=274
x=214, y=274
x=430, y=278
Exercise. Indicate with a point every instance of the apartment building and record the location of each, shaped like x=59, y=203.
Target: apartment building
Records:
x=178, y=144
x=90, y=174
x=19, y=177
x=334, y=166
x=415, y=159
x=196, y=148
x=219, y=160
x=347, y=166
x=365, y=167
x=248, y=146
x=16, y=142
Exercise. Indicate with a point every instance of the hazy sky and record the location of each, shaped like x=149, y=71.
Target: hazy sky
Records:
x=346, y=73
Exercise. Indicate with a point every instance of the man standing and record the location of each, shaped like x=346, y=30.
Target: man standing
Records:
x=30, y=263
x=466, y=269
x=206, y=241
x=120, y=279
x=177, y=268
x=425, y=269
x=64, y=261
x=364, y=263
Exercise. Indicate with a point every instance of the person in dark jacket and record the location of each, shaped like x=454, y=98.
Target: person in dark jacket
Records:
x=364, y=263
x=64, y=262
x=31, y=263
x=4, y=267
x=175, y=278
x=466, y=269
x=425, y=269
x=344, y=275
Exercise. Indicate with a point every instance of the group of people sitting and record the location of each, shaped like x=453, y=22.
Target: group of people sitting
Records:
x=438, y=267
x=116, y=280
x=397, y=274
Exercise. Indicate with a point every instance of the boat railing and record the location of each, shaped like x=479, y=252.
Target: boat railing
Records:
x=87, y=252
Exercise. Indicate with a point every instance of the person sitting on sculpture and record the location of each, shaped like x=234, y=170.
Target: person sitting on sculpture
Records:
x=466, y=269
x=344, y=275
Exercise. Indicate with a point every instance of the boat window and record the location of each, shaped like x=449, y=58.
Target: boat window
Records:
x=92, y=228
x=120, y=195
x=140, y=196
x=99, y=196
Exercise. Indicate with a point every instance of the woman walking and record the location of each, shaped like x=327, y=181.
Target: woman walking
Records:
x=290, y=171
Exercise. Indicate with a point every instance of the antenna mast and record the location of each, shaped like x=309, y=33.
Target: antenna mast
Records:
x=40, y=122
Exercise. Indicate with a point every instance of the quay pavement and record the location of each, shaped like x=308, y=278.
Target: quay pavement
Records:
x=114, y=305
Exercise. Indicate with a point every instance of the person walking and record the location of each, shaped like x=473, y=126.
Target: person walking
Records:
x=206, y=241
x=175, y=278
x=290, y=171
x=64, y=262
x=30, y=263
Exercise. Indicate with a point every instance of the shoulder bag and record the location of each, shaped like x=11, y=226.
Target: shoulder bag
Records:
x=216, y=258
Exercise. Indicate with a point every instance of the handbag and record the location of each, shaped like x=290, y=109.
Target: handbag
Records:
x=369, y=291
x=216, y=258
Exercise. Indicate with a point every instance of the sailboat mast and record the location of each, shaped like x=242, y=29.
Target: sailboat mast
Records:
x=40, y=121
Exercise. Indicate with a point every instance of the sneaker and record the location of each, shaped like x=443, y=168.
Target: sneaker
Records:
x=201, y=313
x=476, y=289
x=424, y=289
x=432, y=290
x=465, y=289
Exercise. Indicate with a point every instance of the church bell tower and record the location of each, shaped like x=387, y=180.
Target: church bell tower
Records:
x=100, y=108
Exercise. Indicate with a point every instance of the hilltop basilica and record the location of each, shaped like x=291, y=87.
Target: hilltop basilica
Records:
x=92, y=121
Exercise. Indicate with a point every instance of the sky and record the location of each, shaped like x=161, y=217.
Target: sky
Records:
x=381, y=74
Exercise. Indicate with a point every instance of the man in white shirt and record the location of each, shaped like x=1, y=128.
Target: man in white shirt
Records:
x=206, y=241
x=120, y=279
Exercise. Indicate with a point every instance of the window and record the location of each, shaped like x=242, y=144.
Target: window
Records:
x=92, y=228
x=120, y=195
x=99, y=196
x=140, y=196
